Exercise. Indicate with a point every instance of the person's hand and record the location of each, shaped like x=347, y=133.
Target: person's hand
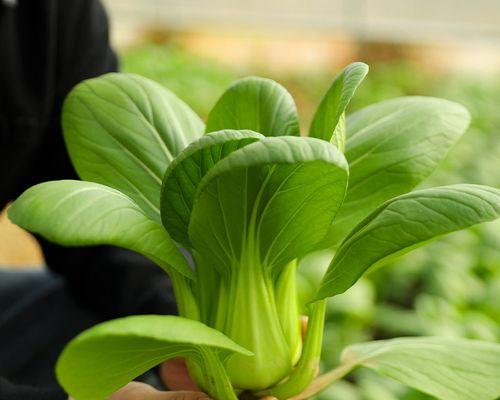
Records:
x=175, y=376
x=174, y=373
x=142, y=391
x=304, y=319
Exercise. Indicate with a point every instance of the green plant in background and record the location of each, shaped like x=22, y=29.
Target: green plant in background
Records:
x=197, y=81
x=245, y=197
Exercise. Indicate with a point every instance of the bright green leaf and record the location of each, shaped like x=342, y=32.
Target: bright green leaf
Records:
x=122, y=130
x=447, y=368
x=404, y=223
x=77, y=213
x=391, y=147
x=273, y=199
x=186, y=171
x=339, y=134
x=257, y=104
x=106, y=357
x=328, y=121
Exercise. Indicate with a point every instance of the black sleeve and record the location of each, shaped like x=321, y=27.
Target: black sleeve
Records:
x=111, y=282
x=10, y=391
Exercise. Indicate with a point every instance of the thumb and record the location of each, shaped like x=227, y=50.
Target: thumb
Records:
x=141, y=391
x=181, y=395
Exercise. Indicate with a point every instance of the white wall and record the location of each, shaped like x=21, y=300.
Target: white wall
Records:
x=387, y=20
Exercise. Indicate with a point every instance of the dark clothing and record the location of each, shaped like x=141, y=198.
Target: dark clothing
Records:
x=10, y=391
x=33, y=331
x=38, y=317
x=46, y=47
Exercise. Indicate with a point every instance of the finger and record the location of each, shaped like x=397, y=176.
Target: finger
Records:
x=182, y=395
x=135, y=390
x=142, y=391
x=175, y=375
x=303, y=323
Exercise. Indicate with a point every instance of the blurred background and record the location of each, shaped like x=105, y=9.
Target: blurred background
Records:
x=444, y=48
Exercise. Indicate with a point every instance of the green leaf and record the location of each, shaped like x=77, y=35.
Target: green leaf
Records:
x=391, y=147
x=328, y=123
x=186, y=171
x=257, y=104
x=108, y=356
x=76, y=213
x=404, y=223
x=123, y=130
x=339, y=134
x=446, y=368
x=272, y=200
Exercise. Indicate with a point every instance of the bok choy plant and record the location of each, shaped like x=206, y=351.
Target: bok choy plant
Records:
x=227, y=208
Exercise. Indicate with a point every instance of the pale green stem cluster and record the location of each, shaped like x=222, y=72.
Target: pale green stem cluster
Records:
x=248, y=314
